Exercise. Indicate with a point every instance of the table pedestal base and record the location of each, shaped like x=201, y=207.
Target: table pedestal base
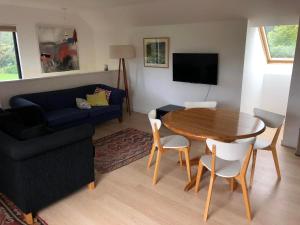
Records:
x=190, y=185
x=193, y=161
x=231, y=181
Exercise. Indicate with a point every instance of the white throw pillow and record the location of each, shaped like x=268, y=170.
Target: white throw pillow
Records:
x=82, y=103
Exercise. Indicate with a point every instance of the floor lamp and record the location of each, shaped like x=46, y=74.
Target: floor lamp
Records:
x=123, y=52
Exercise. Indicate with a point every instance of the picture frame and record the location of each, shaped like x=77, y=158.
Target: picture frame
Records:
x=58, y=46
x=156, y=52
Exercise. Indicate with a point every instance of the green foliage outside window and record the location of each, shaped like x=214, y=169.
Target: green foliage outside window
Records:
x=8, y=64
x=282, y=40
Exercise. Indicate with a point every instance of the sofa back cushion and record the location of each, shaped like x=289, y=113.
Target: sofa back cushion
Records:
x=54, y=99
x=63, y=98
x=59, y=99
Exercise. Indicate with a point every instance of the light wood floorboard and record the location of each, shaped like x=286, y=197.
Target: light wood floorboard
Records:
x=127, y=196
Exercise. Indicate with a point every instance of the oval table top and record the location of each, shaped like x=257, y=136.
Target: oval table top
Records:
x=220, y=124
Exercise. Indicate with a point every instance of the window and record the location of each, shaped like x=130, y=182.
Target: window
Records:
x=279, y=42
x=9, y=55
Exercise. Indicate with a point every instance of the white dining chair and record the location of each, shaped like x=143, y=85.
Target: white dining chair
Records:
x=230, y=161
x=171, y=142
x=271, y=120
x=205, y=104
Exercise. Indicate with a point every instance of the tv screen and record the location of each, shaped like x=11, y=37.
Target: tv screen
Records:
x=195, y=68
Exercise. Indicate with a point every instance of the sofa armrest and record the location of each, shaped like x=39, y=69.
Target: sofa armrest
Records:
x=17, y=101
x=21, y=150
x=117, y=96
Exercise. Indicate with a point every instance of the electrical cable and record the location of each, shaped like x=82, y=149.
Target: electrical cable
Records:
x=205, y=99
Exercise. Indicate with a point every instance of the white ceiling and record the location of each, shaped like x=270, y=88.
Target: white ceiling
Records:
x=72, y=4
x=157, y=12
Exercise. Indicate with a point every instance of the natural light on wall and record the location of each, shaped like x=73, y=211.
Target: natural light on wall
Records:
x=279, y=42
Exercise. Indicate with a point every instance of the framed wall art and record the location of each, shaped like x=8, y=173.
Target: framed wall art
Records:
x=58, y=48
x=156, y=52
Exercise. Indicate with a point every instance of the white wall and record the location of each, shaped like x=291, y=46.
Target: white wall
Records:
x=265, y=86
x=292, y=124
x=253, y=71
x=276, y=87
x=12, y=88
x=26, y=20
x=106, y=32
x=105, y=38
x=153, y=87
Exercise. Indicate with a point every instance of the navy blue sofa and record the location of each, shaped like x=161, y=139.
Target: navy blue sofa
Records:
x=59, y=107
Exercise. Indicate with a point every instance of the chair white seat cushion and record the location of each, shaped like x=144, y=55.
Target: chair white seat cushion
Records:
x=174, y=141
x=261, y=143
x=223, y=168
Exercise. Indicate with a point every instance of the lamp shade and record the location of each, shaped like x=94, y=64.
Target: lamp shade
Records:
x=121, y=51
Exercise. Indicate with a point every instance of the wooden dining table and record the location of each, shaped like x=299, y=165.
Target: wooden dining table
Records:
x=226, y=125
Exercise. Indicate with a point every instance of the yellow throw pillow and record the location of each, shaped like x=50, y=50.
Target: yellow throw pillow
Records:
x=98, y=99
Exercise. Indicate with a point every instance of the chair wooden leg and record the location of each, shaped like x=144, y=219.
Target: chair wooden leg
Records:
x=28, y=218
x=180, y=158
x=158, y=157
x=275, y=158
x=207, y=151
x=199, y=175
x=187, y=162
x=151, y=156
x=91, y=186
x=232, y=184
x=246, y=198
x=209, y=194
x=253, y=167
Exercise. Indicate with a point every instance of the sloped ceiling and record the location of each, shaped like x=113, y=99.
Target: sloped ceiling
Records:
x=159, y=12
x=74, y=4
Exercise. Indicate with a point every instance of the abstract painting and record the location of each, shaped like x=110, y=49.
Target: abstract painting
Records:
x=58, y=48
x=156, y=52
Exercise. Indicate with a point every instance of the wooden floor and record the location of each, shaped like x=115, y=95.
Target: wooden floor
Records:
x=126, y=196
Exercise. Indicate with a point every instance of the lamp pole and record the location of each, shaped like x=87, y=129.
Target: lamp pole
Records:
x=123, y=68
x=123, y=52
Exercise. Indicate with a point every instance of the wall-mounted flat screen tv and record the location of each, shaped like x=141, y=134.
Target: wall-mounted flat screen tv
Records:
x=196, y=67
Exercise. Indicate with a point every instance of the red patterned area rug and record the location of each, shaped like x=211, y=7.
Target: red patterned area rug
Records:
x=11, y=215
x=120, y=149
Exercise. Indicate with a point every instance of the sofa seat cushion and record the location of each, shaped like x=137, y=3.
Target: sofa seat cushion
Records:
x=100, y=110
x=63, y=116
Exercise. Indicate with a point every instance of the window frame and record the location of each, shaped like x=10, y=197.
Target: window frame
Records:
x=266, y=49
x=17, y=55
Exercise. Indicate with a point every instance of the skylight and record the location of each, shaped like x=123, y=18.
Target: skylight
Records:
x=279, y=42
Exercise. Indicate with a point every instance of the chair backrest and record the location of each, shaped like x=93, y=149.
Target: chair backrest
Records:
x=243, y=140
x=207, y=105
x=230, y=151
x=153, y=120
x=155, y=124
x=270, y=119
